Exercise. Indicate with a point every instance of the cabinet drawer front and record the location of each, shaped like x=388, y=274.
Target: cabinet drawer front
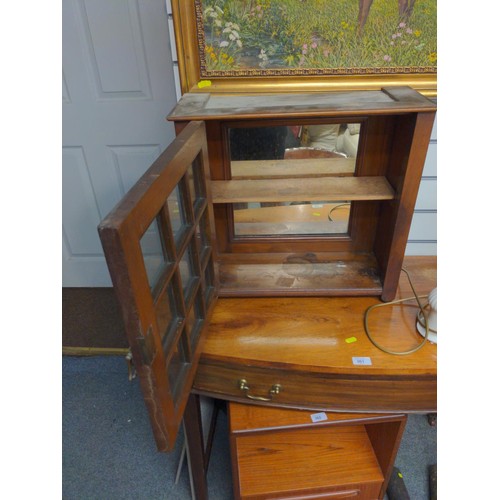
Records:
x=365, y=491
x=313, y=390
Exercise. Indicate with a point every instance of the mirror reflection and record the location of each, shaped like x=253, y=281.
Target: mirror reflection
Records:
x=291, y=218
x=295, y=151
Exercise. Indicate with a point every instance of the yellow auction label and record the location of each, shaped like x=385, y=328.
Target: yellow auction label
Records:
x=204, y=83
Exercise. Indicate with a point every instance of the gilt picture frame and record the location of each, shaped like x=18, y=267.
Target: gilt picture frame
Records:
x=305, y=45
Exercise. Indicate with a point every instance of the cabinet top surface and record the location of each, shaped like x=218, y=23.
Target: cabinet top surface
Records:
x=316, y=334
x=206, y=106
x=248, y=417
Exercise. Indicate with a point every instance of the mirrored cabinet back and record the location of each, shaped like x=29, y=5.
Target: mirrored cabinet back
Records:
x=313, y=194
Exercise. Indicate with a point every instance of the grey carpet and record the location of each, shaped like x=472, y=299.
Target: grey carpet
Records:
x=109, y=451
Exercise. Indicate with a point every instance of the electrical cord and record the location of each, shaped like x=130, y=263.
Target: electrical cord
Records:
x=335, y=208
x=422, y=311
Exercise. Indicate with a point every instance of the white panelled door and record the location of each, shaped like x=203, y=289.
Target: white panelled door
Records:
x=118, y=87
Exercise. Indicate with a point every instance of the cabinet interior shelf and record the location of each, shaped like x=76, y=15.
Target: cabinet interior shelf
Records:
x=298, y=189
x=298, y=275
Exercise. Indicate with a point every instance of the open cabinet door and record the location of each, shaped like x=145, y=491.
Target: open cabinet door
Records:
x=159, y=247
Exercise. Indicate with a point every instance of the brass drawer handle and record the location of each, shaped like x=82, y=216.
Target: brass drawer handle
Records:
x=274, y=391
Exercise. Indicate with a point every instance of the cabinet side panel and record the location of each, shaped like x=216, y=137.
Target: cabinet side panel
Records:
x=385, y=439
x=411, y=139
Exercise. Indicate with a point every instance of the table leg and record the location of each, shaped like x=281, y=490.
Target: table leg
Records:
x=195, y=447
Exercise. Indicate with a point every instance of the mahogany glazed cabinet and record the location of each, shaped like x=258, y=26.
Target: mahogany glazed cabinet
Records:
x=265, y=206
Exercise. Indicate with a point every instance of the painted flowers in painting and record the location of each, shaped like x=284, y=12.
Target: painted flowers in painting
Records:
x=336, y=36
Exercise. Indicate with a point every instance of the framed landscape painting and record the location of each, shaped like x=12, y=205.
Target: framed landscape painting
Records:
x=253, y=45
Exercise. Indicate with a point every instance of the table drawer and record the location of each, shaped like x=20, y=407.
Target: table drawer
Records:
x=286, y=387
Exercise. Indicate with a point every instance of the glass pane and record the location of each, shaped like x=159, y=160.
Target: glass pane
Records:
x=177, y=212
x=177, y=368
x=202, y=235
x=258, y=143
x=187, y=272
x=194, y=322
x=287, y=218
x=209, y=284
x=166, y=311
x=196, y=185
x=153, y=252
x=279, y=152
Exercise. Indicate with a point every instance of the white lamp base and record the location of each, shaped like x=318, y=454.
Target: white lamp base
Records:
x=431, y=318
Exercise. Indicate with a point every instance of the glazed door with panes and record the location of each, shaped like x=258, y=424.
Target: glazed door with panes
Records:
x=159, y=247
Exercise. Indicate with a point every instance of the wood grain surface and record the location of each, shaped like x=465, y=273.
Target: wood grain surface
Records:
x=311, y=189
x=193, y=106
x=309, y=344
x=313, y=331
x=244, y=418
x=300, y=461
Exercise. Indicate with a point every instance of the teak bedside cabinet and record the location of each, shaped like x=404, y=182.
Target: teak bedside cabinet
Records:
x=259, y=237
x=291, y=454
